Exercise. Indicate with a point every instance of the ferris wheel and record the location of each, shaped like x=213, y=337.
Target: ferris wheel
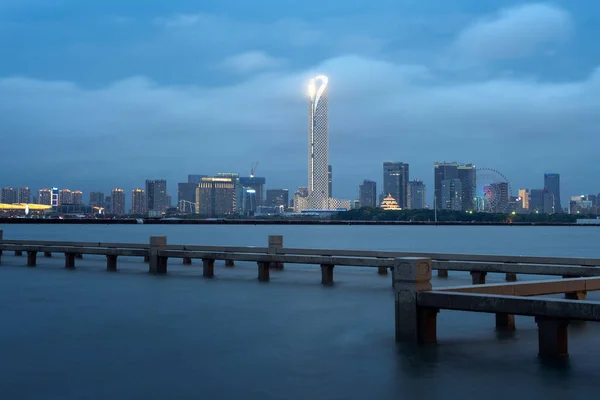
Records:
x=492, y=192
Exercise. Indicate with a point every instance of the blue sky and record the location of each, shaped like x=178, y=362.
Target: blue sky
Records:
x=100, y=94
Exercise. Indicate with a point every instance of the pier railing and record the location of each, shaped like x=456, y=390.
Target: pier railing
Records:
x=417, y=303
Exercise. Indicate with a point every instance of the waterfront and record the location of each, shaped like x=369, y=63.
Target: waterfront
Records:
x=90, y=334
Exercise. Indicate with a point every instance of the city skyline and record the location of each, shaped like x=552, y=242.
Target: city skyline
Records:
x=104, y=126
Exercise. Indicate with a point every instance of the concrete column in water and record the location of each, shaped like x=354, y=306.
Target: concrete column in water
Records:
x=275, y=242
x=111, y=262
x=327, y=274
x=158, y=265
x=553, y=338
x=208, y=267
x=414, y=324
x=229, y=263
x=187, y=261
x=442, y=273
x=47, y=254
x=505, y=322
x=18, y=253
x=478, y=277
x=70, y=260
x=263, y=271
x=31, y=258
x=511, y=277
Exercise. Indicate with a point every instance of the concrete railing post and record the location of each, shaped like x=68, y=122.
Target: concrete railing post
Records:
x=31, y=258
x=70, y=260
x=158, y=265
x=553, y=338
x=208, y=267
x=478, y=277
x=275, y=242
x=263, y=271
x=414, y=324
x=327, y=274
x=111, y=262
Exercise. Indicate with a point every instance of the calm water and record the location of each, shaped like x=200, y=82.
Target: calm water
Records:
x=88, y=334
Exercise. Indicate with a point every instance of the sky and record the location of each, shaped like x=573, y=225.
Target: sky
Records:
x=102, y=94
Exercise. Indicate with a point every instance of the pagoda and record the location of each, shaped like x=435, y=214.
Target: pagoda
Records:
x=390, y=204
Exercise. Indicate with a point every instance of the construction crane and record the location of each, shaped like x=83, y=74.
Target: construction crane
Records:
x=253, y=169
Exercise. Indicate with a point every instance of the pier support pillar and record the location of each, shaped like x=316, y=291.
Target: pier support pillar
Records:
x=146, y=259
x=70, y=260
x=553, y=338
x=158, y=265
x=576, y=295
x=442, y=273
x=505, y=322
x=18, y=253
x=208, y=267
x=31, y=258
x=187, y=261
x=111, y=262
x=48, y=254
x=275, y=242
x=382, y=270
x=414, y=324
x=511, y=277
x=79, y=255
x=229, y=263
x=478, y=277
x=327, y=274
x=263, y=271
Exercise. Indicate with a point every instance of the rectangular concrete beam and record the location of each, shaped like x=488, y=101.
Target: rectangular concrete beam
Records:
x=531, y=288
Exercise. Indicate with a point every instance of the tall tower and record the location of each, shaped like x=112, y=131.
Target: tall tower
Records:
x=318, y=144
x=552, y=185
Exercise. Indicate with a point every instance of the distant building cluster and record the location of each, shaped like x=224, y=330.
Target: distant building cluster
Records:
x=457, y=187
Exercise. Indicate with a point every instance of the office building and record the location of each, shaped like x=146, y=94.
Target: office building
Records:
x=107, y=204
x=318, y=144
x=330, y=179
x=443, y=171
x=524, y=199
x=169, y=201
x=77, y=197
x=367, y=194
x=138, y=201
x=417, y=195
x=186, y=197
x=45, y=197
x=8, y=195
x=541, y=201
x=97, y=199
x=117, y=206
x=277, y=197
x=249, y=201
x=257, y=184
x=216, y=197
x=65, y=196
x=156, y=195
x=23, y=195
x=395, y=182
x=552, y=185
x=239, y=190
x=451, y=194
x=467, y=174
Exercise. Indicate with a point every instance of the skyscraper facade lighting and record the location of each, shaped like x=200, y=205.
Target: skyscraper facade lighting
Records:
x=318, y=143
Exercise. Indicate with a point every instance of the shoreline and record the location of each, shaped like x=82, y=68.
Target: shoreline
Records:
x=150, y=221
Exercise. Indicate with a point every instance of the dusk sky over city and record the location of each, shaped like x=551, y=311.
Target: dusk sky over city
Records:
x=102, y=94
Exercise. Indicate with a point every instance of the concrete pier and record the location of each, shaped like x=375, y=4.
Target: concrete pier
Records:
x=382, y=270
x=414, y=324
x=146, y=259
x=275, y=242
x=208, y=267
x=78, y=255
x=18, y=253
x=505, y=322
x=553, y=338
x=511, y=277
x=442, y=273
x=478, y=277
x=158, y=265
x=31, y=258
x=263, y=271
x=70, y=260
x=187, y=261
x=229, y=263
x=111, y=262
x=47, y=254
x=327, y=274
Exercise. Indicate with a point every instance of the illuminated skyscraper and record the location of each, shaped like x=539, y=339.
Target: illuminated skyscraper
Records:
x=138, y=201
x=552, y=185
x=77, y=197
x=97, y=199
x=318, y=144
x=117, y=202
x=8, y=196
x=45, y=197
x=156, y=195
x=65, y=196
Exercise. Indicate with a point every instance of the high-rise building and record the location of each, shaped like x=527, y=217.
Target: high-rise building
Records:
x=417, y=195
x=23, y=195
x=107, y=204
x=395, y=182
x=196, y=179
x=138, y=201
x=524, y=196
x=257, y=184
x=65, y=196
x=216, y=197
x=186, y=196
x=249, y=201
x=451, y=194
x=117, y=205
x=77, y=197
x=156, y=195
x=552, y=185
x=540, y=201
x=367, y=194
x=8, y=195
x=45, y=197
x=239, y=190
x=169, y=201
x=301, y=199
x=318, y=144
x=467, y=174
x=278, y=197
x=97, y=199
x=330, y=179
x=442, y=172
